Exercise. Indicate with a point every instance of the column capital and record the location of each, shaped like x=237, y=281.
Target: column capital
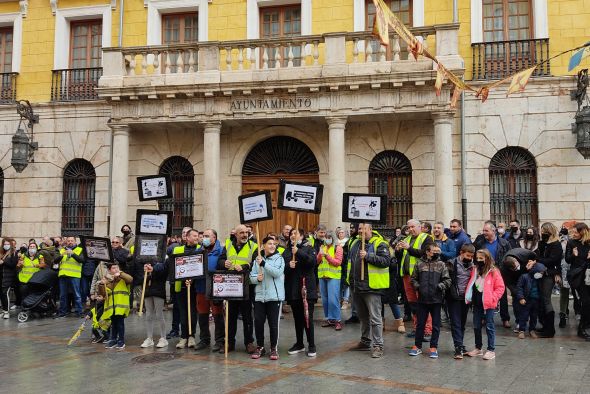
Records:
x=337, y=121
x=211, y=126
x=120, y=129
x=443, y=116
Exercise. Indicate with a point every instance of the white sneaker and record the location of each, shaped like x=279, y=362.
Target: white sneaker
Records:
x=149, y=342
x=181, y=344
x=162, y=343
x=12, y=308
x=5, y=315
x=191, y=342
x=489, y=355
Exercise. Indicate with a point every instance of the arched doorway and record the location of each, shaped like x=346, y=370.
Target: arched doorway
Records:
x=181, y=204
x=270, y=161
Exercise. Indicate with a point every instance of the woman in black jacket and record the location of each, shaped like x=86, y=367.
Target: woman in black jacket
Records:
x=155, y=294
x=8, y=274
x=300, y=277
x=550, y=254
x=577, y=254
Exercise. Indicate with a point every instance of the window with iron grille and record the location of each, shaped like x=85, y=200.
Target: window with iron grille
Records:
x=181, y=204
x=390, y=173
x=513, y=187
x=78, y=198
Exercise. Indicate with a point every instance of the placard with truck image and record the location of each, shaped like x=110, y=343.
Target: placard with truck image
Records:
x=303, y=197
x=363, y=208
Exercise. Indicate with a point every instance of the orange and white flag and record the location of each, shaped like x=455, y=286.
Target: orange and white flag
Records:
x=455, y=97
x=440, y=74
x=380, y=25
x=520, y=80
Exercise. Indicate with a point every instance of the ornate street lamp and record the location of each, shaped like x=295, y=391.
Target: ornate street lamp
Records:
x=582, y=126
x=23, y=147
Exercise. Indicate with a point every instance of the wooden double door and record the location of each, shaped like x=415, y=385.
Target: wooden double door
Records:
x=255, y=183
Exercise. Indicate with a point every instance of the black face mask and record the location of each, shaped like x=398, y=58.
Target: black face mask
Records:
x=514, y=229
x=528, y=237
x=435, y=256
x=481, y=263
x=564, y=231
x=545, y=237
x=126, y=232
x=466, y=262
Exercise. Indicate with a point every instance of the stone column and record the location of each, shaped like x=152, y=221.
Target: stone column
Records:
x=212, y=167
x=119, y=178
x=443, y=166
x=337, y=169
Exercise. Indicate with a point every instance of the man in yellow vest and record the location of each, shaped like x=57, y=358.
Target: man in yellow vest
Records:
x=239, y=254
x=409, y=252
x=367, y=292
x=70, y=272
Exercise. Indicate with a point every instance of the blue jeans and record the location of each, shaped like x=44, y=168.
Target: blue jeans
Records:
x=330, y=289
x=345, y=291
x=85, y=283
x=65, y=283
x=458, y=314
x=478, y=315
x=118, y=329
x=528, y=313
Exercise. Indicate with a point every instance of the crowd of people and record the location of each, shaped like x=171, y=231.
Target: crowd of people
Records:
x=435, y=273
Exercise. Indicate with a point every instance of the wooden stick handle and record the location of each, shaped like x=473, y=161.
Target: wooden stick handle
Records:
x=188, y=302
x=226, y=326
x=258, y=236
x=363, y=260
x=297, y=231
x=140, y=311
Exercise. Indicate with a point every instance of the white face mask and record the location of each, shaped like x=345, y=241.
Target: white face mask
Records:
x=538, y=275
x=328, y=241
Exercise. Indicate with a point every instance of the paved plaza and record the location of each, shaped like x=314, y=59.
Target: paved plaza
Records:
x=35, y=359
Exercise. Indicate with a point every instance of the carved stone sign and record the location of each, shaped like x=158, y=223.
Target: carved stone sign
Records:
x=270, y=104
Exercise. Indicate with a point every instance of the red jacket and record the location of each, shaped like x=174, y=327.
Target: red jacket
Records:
x=493, y=288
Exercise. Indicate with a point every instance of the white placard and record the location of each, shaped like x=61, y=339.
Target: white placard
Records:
x=188, y=266
x=255, y=207
x=364, y=207
x=153, y=224
x=299, y=196
x=154, y=188
x=148, y=247
x=97, y=249
x=228, y=286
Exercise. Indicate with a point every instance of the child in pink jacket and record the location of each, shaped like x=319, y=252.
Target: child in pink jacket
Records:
x=484, y=290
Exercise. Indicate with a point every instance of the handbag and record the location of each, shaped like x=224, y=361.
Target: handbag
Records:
x=575, y=276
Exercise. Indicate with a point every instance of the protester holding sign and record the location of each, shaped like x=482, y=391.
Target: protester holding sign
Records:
x=155, y=294
x=268, y=274
x=239, y=254
x=180, y=287
x=329, y=260
x=300, y=289
x=214, y=253
x=367, y=289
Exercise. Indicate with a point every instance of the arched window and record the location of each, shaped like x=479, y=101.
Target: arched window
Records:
x=280, y=155
x=390, y=172
x=513, y=186
x=182, y=176
x=77, y=216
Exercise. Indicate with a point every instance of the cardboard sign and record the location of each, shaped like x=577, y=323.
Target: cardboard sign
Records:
x=96, y=248
x=154, y=187
x=227, y=285
x=149, y=248
x=153, y=222
x=364, y=208
x=297, y=196
x=255, y=207
x=190, y=266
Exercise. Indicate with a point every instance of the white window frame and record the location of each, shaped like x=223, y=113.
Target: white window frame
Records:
x=540, y=21
x=16, y=21
x=63, y=19
x=253, y=15
x=360, y=17
x=157, y=8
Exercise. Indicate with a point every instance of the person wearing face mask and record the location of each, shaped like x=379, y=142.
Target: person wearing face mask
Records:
x=528, y=296
x=128, y=237
x=430, y=280
x=70, y=272
x=513, y=267
x=8, y=275
x=214, y=251
x=300, y=261
x=27, y=265
x=502, y=230
x=577, y=255
x=550, y=254
x=354, y=230
x=515, y=235
x=484, y=290
x=564, y=289
x=329, y=259
x=530, y=240
x=459, y=271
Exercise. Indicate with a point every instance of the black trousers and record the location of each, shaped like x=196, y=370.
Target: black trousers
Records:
x=299, y=318
x=267, y=310
x=504, y=314
x=422, y=315
x=183, y=308
x=244, y=308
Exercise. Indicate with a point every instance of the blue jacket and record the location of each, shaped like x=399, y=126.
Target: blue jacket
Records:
x=526, y=281
x=272, y=287
x=212, y=257
x=460, y=239
x=447, y=248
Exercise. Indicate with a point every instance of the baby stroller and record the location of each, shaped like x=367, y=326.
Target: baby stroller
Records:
x=39, y=299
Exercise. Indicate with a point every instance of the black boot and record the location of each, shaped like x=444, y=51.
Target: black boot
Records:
x=204, y=334
x=562, y=321
x=582, y=332
x=548, y=326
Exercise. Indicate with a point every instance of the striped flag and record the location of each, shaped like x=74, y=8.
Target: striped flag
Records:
x=520, y=80
x=577, y=57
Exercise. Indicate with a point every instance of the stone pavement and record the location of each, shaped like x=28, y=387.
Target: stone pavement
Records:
x=35, y=358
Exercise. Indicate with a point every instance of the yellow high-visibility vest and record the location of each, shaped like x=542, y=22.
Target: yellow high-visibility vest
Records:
x=28, y=269
x=378, y=277
x=413, y=260
x=117, y=301
x=69, y=266
x=327, y=270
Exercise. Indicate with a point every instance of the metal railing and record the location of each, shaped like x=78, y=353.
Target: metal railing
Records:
x=75, y=84
x=8, y=88
x=500, y=59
